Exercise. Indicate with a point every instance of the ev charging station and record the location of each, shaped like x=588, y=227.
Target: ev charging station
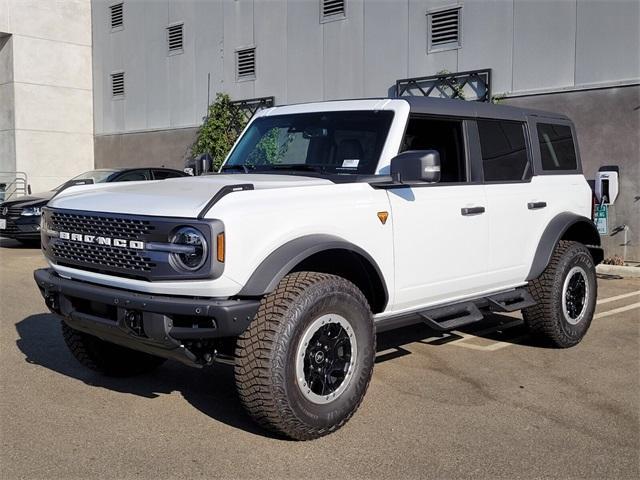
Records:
x=606, y=189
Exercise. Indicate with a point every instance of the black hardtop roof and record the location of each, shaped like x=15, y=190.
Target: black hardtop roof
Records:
x=462, y=108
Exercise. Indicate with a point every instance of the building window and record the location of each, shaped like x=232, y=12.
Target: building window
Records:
x=504, y=151
x=175, y=38
x=444, y=29
x=117, y=17
x=331, y=10
x=117, y=85
x=246, y=64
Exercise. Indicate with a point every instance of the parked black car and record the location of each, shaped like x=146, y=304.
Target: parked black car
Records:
x=20, y=217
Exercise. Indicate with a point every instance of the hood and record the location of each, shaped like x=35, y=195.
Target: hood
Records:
x=175, y=197
x=30, y=201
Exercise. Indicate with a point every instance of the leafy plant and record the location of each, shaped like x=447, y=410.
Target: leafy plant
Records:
x=221, y=127
x=498, y=98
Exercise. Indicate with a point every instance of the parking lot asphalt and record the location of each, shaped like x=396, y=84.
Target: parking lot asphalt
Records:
x=487, y=403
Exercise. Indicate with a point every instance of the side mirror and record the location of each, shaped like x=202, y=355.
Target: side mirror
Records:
x=416, y=166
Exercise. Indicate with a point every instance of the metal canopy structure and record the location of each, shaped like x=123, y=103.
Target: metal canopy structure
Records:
x=251, y=106
x=473, y=85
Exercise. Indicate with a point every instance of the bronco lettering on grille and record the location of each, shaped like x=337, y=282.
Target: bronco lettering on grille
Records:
x=116, y=242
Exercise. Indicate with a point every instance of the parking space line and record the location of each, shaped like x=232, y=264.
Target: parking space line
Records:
x=626, y=308
x=618, y=297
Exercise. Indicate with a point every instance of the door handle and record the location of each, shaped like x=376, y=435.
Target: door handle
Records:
x=536, y=205
x=471, y=210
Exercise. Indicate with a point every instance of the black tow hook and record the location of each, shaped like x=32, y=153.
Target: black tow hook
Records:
x=51, y=300
x=133, y=320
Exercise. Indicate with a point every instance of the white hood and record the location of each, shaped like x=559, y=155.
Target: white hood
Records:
x=177, y=197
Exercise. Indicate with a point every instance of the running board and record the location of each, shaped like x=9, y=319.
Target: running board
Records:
x=444, y=319
x=511, y=301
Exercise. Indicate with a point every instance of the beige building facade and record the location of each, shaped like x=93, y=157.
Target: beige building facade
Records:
x=46, y=90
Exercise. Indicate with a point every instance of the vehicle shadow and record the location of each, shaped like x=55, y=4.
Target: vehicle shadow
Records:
x=210, y=390
x=493, y=328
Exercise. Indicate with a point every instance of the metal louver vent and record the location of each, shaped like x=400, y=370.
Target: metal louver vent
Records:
x=332, y=9
x=444, y=28
x=117, y=20
x=246, y=64
x=117, y=84
x=175, y=37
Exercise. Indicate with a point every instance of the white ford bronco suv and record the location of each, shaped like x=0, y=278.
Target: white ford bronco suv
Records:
x=327, y=223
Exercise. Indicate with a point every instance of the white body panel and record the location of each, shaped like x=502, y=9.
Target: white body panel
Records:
x=515, y=230
x=439, y=252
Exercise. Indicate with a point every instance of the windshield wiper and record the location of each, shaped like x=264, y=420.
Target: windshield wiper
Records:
x=303, y=167
x=243, y=167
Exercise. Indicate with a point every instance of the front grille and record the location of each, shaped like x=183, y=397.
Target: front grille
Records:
x=121, y=244
x=14, y=211
x=125, y=228
x=102, y=256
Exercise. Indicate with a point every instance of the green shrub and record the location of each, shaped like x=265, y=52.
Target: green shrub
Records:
x=221, y=127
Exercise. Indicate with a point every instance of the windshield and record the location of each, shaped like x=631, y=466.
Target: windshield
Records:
x=346, y=142
x=98, y=176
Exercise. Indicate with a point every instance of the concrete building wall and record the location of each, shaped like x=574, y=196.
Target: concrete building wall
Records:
x=46, y=112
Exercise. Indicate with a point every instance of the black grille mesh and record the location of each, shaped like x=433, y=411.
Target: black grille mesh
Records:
x=125, y=228
x=103, y=256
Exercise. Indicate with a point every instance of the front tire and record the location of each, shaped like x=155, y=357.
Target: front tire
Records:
x=305, y=362
x=108, y=358
x=566, y=295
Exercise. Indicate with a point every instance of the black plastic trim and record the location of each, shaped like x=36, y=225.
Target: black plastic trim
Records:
x=555, y=230
x=231, y=316
x=226, y=190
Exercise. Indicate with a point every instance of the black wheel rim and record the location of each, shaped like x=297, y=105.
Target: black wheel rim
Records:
x=325, y=358
x=575, y=294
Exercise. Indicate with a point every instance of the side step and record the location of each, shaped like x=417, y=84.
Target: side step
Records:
x=448, y=318
x=511, y=301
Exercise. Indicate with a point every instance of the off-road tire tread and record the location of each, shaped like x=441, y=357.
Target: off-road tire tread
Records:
x=258, y=383
x=106, y=358
x=540, y=318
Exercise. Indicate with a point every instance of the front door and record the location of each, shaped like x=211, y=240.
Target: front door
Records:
x=441, y=237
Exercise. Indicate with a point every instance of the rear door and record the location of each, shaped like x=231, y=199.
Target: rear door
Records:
x=440, y=230
x=516, y=208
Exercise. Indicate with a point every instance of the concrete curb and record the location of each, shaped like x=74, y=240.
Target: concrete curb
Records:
x=618, y=270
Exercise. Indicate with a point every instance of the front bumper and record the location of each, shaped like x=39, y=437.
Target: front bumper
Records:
x=22, y=228
x=162, y=325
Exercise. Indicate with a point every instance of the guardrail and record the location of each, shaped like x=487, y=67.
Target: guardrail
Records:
x=13, y=185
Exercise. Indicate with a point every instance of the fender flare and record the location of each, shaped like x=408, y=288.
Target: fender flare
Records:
x=555, y=231
x=282, y=260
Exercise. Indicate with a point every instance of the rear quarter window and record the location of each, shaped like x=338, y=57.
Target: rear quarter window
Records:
x=557, y=149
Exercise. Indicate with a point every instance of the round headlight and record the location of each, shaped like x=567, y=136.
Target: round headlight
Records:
x=195, y=255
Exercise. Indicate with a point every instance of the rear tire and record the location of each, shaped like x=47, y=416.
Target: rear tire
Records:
x=108, y=358
x=305, y=362
x=566, y=295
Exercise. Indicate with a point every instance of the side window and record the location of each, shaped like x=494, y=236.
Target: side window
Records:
x=504, y=151
x=162, y=174
x=557, y=150
x=133, y=176
x=444, y=136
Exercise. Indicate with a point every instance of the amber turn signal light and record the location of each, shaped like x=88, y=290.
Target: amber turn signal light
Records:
x=220, y=247
x=383, y=217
